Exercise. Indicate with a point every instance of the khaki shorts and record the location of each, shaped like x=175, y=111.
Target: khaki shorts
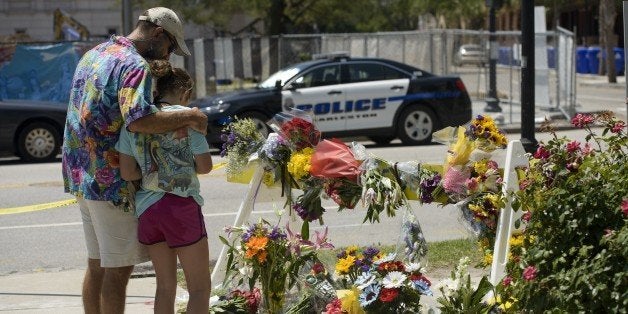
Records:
x=111, y=234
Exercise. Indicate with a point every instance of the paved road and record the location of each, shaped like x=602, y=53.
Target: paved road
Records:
x=52, y=239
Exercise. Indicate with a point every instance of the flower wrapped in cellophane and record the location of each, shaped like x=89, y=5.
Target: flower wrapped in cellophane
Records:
x=241, y=140
x=297, y=127
x=381, y=191
x=266, y=256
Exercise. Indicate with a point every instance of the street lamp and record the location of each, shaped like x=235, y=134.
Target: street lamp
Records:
x=492, y=102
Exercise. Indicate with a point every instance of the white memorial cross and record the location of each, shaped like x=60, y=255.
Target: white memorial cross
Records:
x=515, y=157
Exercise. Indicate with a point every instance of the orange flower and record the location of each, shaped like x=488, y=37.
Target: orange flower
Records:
x=250, y=253
x=257, y=243
x=261, y=257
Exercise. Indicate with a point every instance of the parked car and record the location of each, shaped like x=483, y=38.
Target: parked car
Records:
x=470, y=54
x=377, y=98
x=31, y=129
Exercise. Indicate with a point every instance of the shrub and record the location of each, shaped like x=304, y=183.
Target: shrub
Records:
x=574, y=255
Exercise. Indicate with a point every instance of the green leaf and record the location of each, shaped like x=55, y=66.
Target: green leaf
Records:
x=305, y=230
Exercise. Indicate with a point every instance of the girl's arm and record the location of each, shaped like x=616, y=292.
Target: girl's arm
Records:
x=129, y=169
x=203, y=163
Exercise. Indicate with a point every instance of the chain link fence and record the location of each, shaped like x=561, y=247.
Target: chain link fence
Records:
x=237, y=60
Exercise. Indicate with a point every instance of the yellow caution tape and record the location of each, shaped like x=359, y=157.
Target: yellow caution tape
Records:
x=31, y=208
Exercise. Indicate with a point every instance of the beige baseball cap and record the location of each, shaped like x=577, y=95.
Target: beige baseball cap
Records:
x=170, y=22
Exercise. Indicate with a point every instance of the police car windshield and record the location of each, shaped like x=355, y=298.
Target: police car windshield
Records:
x=283, y=75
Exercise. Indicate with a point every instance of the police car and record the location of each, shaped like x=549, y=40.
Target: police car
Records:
x=378, y=98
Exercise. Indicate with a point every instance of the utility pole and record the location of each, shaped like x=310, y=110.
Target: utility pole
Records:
x=127, y=17
x=527, y=76
x=492, y=101
x=625, y=12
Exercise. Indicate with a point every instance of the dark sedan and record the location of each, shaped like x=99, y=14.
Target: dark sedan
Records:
x=31, y=129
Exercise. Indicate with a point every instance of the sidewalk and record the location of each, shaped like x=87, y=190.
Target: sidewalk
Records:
x=60, y=292
x=509, y=119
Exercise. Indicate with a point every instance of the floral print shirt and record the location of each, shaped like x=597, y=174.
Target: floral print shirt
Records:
x=111, y=88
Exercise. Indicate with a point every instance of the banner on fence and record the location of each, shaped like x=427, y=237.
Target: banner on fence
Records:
x=39, y=73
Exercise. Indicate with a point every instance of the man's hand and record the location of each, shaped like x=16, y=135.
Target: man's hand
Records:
x=198, y=121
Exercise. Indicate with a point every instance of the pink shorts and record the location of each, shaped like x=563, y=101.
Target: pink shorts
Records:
x=176, y=220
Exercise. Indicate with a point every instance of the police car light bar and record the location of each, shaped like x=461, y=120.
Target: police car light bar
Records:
x=331, y=55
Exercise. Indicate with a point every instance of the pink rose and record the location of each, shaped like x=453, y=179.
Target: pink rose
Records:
x=541, y=153
x=618, y=127
x=472, y=184
x=529, y=273
x=507, y=281
x=624, y=207
x=582, y=120
x=526, y=216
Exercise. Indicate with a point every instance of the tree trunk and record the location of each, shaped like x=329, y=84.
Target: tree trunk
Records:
x=607, y=15
x=277, y=17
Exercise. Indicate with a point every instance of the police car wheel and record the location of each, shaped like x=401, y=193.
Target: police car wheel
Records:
x=259, y=120
x=416, y=125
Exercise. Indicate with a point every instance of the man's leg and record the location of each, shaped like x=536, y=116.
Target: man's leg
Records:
x=111, y=236
x=165, y=264
x=92, y=286
x=113, y=295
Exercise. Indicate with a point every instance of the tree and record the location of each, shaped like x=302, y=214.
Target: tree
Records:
x=307, y=16
x=608, y=40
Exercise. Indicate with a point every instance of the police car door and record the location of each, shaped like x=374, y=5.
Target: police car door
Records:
x=374, y=92
x=318, y=89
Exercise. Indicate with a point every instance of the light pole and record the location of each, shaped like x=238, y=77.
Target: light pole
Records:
x=527, y=76
x=492, y=101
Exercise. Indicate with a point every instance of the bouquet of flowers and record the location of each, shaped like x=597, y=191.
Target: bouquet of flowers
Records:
x=381, y=191
x=241, y=139
x=382, y=284
x=236, y=301
x=297, y=128
x=267, y=256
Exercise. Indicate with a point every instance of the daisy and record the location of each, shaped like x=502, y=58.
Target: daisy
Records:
x=394, y=279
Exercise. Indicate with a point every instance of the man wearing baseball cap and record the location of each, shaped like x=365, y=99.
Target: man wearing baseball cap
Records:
x=112, y=89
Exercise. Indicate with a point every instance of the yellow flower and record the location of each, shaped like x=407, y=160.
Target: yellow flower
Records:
x=495, y=200
x=461, y=150
x=344, y=264
x=480, y=166
x=299, y=164
x=516, y=240
x=350, y=250
x=349, y=301
x=488, y=259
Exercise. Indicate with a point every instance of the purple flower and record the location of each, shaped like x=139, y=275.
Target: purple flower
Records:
x=428, y=186
x=304, y=213
x=371, y=251
x=248, y=234
x=276, y=234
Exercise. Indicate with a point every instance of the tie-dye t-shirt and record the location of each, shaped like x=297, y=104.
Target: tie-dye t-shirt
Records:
x=111, y=88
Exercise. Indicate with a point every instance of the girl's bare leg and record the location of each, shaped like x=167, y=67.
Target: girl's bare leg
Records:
x=165, y=263
x=195, y=262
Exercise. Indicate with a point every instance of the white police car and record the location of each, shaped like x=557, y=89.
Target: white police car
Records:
x=377, y=98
